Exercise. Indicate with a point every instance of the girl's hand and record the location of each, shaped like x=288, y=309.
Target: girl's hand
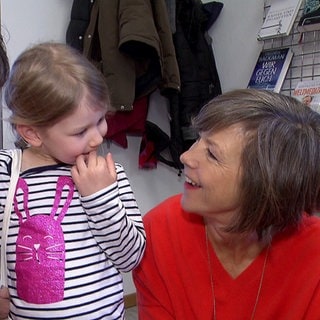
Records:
x=94, y=173
x=4, y=303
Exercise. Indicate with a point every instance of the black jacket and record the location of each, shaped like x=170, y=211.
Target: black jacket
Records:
x=198, y=73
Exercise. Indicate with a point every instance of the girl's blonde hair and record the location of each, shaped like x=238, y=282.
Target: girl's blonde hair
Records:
x=47, y=82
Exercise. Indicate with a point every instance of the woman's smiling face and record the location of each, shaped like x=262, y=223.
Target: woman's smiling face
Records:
x=212, y=167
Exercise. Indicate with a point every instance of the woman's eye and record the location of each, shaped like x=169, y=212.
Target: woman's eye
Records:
x=211, y=155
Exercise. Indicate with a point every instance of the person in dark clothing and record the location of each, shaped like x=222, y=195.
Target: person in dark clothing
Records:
x=4, y=72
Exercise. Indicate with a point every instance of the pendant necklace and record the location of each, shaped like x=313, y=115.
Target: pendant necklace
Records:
x=212, y=280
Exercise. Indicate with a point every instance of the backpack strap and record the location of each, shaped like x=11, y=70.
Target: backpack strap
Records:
x=15, y=171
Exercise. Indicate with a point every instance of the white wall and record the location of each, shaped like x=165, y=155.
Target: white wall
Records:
x=235, y=41
x=236, y=50
x=27, y=22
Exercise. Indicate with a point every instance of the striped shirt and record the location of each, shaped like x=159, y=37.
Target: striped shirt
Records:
x=103, y=237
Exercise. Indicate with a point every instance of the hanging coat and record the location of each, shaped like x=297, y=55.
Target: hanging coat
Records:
x=131, y=42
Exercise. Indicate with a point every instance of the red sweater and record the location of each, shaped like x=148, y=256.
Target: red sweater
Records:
x=173, y=279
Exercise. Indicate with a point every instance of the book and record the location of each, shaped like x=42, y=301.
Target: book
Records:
x=271, y=68
x=310, y=19
x=310, y=6
x=279, y=19
x=308, y=92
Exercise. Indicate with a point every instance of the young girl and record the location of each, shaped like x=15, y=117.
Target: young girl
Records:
x=75, y=224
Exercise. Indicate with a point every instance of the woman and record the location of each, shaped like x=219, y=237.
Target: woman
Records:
x=241, y=241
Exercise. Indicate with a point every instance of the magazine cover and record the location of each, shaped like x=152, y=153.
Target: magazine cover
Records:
x=308, y=92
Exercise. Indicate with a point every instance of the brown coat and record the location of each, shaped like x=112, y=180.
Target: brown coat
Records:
x=131, y=41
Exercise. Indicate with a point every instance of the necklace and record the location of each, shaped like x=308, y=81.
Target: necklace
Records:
x=212, y=280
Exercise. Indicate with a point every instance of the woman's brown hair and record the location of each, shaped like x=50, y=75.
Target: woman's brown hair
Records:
x=280, y=160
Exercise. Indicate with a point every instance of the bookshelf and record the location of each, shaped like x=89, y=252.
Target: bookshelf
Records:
x=305, y=64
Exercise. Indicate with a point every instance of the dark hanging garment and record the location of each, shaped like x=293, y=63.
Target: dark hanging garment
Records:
x=130, y=41
x=79, y=21
x=198, y=73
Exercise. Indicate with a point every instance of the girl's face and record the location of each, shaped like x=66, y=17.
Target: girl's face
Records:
x=78, y=133
x=212, y=170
